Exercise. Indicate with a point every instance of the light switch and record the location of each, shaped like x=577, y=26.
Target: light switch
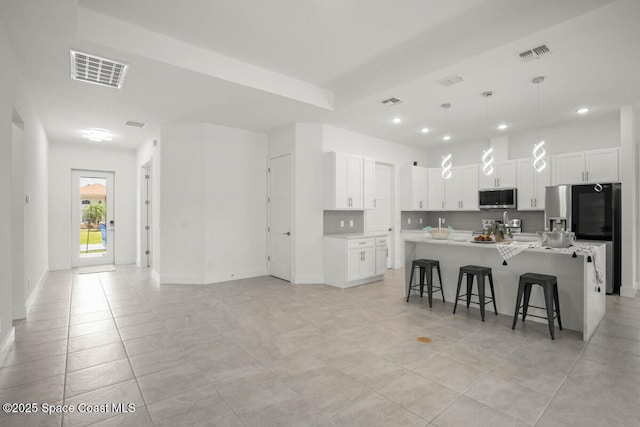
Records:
x=420, y=220
x=350, y=223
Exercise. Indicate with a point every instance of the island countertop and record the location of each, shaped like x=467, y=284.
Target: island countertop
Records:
x=582, y=297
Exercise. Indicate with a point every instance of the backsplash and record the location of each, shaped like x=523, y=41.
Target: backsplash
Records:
x=532, y=221
x=333, y=219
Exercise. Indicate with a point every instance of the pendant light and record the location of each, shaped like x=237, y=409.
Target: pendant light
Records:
x=487, y=155
x=538, y=149
x=446, y=160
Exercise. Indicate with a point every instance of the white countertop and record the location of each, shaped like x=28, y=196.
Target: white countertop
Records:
x=356, y=235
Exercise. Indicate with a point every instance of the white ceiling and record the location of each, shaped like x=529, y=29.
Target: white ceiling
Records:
x=262, y=65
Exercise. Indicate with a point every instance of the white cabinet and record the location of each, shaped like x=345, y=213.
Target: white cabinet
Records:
x=351, y=261
x=414, y=188
x=503, y=176
x=382, y=255
x=369, y=182
x=587, y=166
x=344, y=181
x=531, y=184
x=459, y=192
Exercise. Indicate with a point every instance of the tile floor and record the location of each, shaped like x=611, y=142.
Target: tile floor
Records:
x=261, y=352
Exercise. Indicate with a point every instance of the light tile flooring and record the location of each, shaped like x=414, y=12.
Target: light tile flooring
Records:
x=261, y=352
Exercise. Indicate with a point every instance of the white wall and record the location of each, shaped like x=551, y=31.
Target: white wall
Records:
x=65, y=157
x=213, y=205
x=337, y=139
x=14, y=96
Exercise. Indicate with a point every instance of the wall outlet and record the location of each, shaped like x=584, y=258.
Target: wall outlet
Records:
x=420, y=220
x=350, y=223
x=408, y=220
x=341, y=223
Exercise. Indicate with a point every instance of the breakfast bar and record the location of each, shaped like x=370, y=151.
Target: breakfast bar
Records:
x=582, y=295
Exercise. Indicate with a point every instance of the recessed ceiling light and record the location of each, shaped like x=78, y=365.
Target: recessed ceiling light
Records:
x=424, y=130
x=397, y=120
x=502, y=126
x=582, y=110
x=97, y=135
x=446, y=137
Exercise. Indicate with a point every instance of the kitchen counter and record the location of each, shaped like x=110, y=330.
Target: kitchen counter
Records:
x=582, y=298
x=356, y=235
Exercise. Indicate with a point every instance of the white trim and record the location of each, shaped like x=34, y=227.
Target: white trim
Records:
x=627, y=291
x=59, y=267
x=36, y=290
x=211, y=278
x=126, y=261
x=155, y=275
x=309, y=280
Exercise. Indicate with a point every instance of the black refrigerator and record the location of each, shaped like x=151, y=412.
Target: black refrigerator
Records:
x=596, y=215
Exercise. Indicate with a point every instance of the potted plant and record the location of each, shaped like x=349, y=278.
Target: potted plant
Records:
x=501, y=231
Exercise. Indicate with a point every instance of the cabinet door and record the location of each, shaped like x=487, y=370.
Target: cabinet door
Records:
x=354, y=180
x=570, y=168
x=436, y=190
x=452, y=193
x=369, y=182
x=507, y=176
x=541, y=181
x=488, y=182
x=526, y=186
x=381, y=259
x=337, y=164
x=354, y=258
x=469, y=187
x=420, y=187
x=602, y=165
x=368, y=263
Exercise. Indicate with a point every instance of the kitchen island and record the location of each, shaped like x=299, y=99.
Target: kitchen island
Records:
x=582, y=298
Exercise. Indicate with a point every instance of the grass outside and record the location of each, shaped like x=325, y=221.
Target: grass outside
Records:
x=95, y=237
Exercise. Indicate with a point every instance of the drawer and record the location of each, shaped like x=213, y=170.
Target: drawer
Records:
x=381, y=241
x=360, y=243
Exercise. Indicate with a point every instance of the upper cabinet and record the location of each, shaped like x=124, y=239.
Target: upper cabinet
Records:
x=531, y=184
x=503, y=176
x=414, y=188
x=587, y=167
x=348, y=179
x=369, y=182
x=458, y=192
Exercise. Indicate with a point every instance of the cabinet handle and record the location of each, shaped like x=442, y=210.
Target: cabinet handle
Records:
x=420, y=204
x=374, y=202
x=531, y=202
x=535, y=202
x=387, y=252
x=587, y=176
x=443, y=204
x=582, y=176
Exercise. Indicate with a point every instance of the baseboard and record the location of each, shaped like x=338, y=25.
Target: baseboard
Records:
x=308, y=280
x=125, y=261
x=155, y=275
x=59, y=267
x=167, y=279
x=627, y=291
x=236, y=275
x=19, y=312
x=7, y=342
x=36, y=290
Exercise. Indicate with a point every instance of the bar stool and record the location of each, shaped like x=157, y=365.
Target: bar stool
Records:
x=550, y=286
x=479, y=273
x=426, y=269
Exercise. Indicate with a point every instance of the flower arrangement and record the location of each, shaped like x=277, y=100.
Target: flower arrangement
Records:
x=501, y=231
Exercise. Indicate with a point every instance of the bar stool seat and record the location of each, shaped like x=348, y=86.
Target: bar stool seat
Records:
x=479, y=273
x=550, y=286
x=425, y=267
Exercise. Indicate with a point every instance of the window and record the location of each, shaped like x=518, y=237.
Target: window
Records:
x=86, y=202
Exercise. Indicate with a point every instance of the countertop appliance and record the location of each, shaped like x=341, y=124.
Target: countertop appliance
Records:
x=515, y=224
x=592, y=212
x=504, y=198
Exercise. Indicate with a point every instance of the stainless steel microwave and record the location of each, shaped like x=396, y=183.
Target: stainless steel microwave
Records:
x=504, y=198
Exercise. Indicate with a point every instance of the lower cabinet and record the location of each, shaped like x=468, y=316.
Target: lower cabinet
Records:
x=352, y=261
x=382, y=255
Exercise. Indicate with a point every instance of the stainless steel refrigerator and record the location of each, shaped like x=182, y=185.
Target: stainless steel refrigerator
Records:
x=593, y=213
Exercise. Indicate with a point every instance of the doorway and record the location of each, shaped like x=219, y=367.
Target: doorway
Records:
x=92, y=218
x=279, y=211
x=145, y=216
x=380, y=218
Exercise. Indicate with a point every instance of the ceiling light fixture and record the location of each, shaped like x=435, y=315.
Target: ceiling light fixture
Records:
x=97, y=135
x=397, y=120
x=446, y=166
x=538, y=149
x=424, y=130
x=447, y=138
x=487, y=155
x=582, y=110
x=502, y=126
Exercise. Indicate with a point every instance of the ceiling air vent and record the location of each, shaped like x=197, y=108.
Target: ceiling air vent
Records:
x=451, y=80
x=533, y=53
x=94, y=69
x=391, y=101
x=135, y=124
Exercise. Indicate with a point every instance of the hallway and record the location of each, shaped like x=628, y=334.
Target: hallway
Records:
x=261, y=352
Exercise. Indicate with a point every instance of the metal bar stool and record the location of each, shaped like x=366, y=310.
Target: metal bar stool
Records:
x=550, y=286
x=426, y=269
x=479, y=273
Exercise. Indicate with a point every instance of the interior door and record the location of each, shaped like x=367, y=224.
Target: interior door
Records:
x=92, y=218
x=280, y=188
x=380, y=218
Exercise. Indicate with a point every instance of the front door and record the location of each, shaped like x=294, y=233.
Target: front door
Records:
x=280, y=217
x=380, y=218
x=92, y=216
